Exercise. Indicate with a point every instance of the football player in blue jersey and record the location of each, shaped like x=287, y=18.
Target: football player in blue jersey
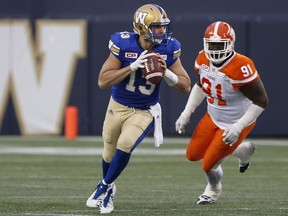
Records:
x=134, y=108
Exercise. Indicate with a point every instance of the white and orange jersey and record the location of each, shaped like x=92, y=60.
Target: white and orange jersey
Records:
x=226, y=104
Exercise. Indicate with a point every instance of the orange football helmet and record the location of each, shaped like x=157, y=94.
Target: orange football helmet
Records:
x=150, y=15
x=219, y=39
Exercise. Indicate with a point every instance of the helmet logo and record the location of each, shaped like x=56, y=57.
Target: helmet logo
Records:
x=214, y=35
x=140, y=17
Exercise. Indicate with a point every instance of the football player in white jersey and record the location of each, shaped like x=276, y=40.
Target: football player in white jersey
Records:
x=235, y=98
x=134, y=107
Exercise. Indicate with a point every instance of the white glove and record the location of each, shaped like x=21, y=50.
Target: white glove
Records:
x=181, y=124
x=139, y=63
x=231, y=135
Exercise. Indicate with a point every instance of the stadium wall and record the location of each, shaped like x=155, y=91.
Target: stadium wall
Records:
x=52, y=50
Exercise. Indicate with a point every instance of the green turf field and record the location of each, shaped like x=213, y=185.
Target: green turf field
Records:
x=51, y=176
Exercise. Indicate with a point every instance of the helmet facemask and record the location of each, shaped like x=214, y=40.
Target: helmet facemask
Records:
x=218, y=50
x=157, y=38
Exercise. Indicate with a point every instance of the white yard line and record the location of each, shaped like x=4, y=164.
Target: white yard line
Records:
x=82, y=151
x=6, y=148
x=167, y=140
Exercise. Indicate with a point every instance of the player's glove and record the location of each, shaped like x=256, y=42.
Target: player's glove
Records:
x=195, y=98
x=139, y=63
x=231, y=135
x=181, y=123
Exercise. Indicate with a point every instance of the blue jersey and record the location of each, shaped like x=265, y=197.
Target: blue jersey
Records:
x=135, y=91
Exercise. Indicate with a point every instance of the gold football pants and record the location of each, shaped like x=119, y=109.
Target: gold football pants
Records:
x=124, y=128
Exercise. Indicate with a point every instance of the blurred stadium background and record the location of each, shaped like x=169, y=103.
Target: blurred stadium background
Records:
x=50, y=54
x=52, y=50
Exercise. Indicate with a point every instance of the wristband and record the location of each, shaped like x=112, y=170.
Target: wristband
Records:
x=170, y=78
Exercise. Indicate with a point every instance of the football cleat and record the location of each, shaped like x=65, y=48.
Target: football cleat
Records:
x=244, y=164
x=243, y=167
x=107, y=204
x=203, y=199
x=210, y=195
x=97, y=197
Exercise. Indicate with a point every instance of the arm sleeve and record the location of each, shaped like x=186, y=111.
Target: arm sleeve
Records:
x=195, y=99
x=249, y=117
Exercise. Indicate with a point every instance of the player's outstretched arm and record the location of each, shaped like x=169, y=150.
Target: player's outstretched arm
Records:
x=257, y=94
x=195, y=98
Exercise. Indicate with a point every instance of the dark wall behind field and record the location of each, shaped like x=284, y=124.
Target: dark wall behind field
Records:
x=261, y=33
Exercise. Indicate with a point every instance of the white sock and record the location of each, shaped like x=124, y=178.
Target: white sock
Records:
x=214, y=177
x=243, y=152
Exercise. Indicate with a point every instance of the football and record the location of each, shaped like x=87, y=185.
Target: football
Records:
x=153, y=71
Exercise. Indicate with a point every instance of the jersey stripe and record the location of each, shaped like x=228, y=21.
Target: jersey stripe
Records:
x=177, y=53
x=113, y=48
x=255, y=75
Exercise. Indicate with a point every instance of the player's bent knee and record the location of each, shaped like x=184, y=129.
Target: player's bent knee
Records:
x=206, y=167
x=192, y=157
x=124, y=149
x=125, y=143
x=108, y=155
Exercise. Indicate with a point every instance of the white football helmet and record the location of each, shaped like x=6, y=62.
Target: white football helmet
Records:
x=219, y=39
